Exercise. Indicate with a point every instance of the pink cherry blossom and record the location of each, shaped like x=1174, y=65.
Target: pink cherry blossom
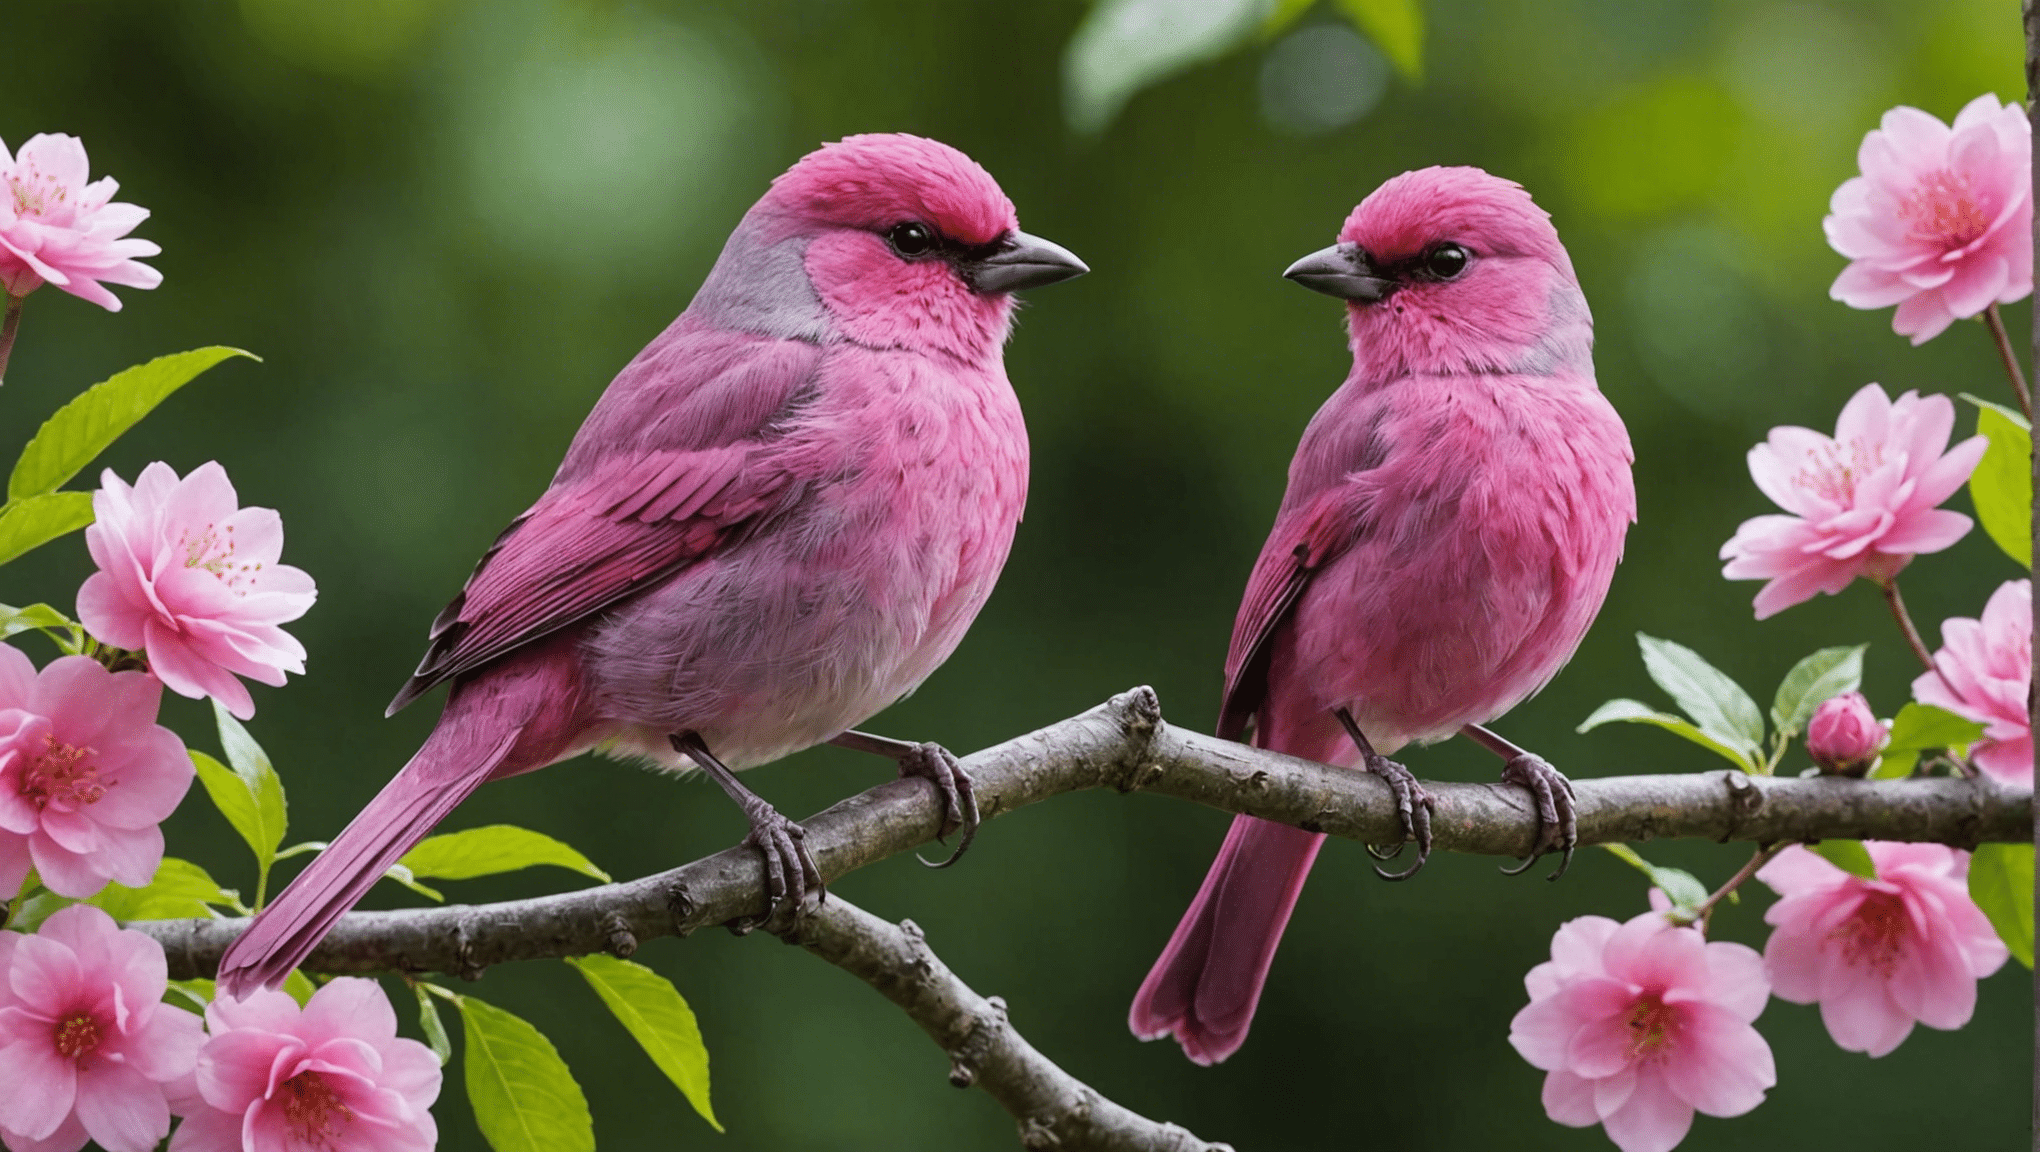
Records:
x=1982, y=673
x=87, y=1047
x=55, y=227
x=1940, y=222
x=333, y=1077
x=1863, y=501
x=1879, y=954
x=1844, y=736
x=189, y=575
x=1641, y=1024
x=86, y=774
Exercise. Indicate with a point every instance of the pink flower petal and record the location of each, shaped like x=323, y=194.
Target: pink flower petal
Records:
x=1653, y=1119
x=122, y=1109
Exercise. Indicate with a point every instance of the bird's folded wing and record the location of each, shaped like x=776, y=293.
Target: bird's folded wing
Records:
x=1300, y=544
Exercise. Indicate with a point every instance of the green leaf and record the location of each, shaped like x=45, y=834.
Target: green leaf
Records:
x=1637, y=712
x=26, y=525
x=83, y=428
x=300, y=987
x=2002, y=485
x=431, y=1025
x=1396, y=27
x=191, y=995
x=1682, y=887
x=1717, y=704
x=252, y=765
x=524, y=1098
x=237, y=802
x=180, y=890
x=1814, y=681
x=1124, y=46
x=1848, y=855
x=38, y=907
x=2001, y=883
x=409, y=879
x=1920, y=728
x=491, y=849
x=654, y=1012
x=17, y=620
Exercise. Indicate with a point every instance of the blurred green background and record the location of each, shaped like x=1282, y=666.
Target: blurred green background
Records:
x=445, y=225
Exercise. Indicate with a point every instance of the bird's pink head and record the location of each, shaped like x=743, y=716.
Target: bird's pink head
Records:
x=1451, y=270
x=907, y=243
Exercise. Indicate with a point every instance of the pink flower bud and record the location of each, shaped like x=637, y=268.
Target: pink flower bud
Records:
x=1844, y=737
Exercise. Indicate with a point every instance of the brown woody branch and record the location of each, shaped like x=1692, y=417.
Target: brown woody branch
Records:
x=1125, y=745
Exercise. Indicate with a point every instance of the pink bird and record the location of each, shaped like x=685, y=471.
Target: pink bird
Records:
x=780, y=518
x=1454, y=516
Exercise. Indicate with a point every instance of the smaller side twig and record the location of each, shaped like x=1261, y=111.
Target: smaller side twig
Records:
x=1053, y=1108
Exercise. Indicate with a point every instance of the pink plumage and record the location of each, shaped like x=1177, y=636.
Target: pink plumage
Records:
x=780, y=518
x=1452, y=523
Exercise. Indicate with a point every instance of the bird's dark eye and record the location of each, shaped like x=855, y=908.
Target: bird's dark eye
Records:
x=911, y=238
x=1445, y=261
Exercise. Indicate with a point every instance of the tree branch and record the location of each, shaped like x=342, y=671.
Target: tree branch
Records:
x=1054, y=1109
x=1124, y=744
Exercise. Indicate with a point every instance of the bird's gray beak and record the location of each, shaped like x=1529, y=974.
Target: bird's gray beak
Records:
x=1341, y=270
x=1023, y=261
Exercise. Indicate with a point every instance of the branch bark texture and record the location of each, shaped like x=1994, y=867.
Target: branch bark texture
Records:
x=1054, y=1109
x=1125, y=745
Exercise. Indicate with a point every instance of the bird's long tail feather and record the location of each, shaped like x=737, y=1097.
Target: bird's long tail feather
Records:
x=1204, y=988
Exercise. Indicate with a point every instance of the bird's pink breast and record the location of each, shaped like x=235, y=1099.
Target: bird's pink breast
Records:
x=1489, y=534
x=914, y=473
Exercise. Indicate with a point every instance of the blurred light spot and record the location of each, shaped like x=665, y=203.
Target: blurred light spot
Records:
x=1700, y=327
x=599, y=141
x=1806, y=68
x=357, y=39
x=1319, y=78
x=1125, y=45
x=1658, y=148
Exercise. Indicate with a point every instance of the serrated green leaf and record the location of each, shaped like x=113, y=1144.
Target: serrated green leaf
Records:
x=1717, y=704
x=492, y=849
x=1919, y=727
x=2002, y=485
x=1396, y=27
x=191, y=995
x=1637, y=712
x=26, y=525
x=1848, y=855
x=1814, y=681
x=180, y=890
x=83, y=428
x=1123, y=46
x=258, y=775
x=430, y=1024
x=524, y=1098
x=1684, y=889
x=657, y=1016
x=2001, y=883
x=300, y=987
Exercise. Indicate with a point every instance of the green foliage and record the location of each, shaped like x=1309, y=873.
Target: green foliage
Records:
x=41, y=617
x=191, y=995
x=1812, y=682
x=1919, y=728
x=1717, y=704
x=180, y=890
x=430, y=1024
x=1637, y=712
x=26, y=525
x=2001, y=883
x=84, y=428
x=1848, y=855
x=1125, y=45
x=654, y=1012
x=524, y=1098
x=1683, y=888
x=492, y=849
x=2002, y=485
x=39, y=905
x=300, y=987
x=1396, y=27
